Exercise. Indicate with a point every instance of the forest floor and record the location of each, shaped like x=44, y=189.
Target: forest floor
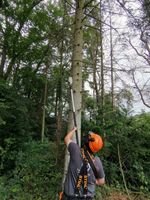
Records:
x=116, y=195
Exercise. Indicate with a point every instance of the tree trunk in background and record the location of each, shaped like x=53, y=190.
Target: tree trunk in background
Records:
x=44, y=104
x=59, y=98
x=111, y=58
x=94, y=54
x=102, y=102
x=76, y=73
x=59, y=91
x=59, y=112
x=3, y=58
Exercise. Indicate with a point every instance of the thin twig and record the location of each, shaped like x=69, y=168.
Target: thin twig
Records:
x=122, y=172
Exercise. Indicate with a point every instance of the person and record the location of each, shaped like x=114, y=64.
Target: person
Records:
x=92, y=144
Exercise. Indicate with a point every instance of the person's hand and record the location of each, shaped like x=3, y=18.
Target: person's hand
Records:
x=74, y=129
x=69, y=136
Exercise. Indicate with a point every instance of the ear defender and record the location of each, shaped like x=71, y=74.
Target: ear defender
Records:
x=90, y=138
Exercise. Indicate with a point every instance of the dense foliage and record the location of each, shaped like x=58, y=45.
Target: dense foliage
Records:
x=15, y=125
x=31, y=170
x=126, y=137
x=37, y=174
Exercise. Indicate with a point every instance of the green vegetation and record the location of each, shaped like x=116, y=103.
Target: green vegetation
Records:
x=37, y=174
x=33, y=170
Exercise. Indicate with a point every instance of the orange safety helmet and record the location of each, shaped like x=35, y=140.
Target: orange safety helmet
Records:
x=95, y=142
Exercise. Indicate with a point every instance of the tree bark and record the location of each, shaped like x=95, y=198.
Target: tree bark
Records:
x=44, y=105
x=111, y=58
x=76, y=69
x=102, y=64
x=76, y=73
x=3, y=59
x=59, y=98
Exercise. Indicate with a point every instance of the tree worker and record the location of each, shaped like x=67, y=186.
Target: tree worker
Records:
x=82, y=177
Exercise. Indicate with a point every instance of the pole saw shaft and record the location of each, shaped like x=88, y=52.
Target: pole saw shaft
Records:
x=73, y=108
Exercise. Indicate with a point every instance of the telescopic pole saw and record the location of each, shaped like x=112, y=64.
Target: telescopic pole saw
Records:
x=73, y=108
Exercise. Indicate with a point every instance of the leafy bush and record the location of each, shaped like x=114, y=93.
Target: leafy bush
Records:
x=37, y=175
x=132, y=135
x=15, y=126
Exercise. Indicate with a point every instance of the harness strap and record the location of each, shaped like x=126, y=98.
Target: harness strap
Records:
x=83, y=177
x=91, y=164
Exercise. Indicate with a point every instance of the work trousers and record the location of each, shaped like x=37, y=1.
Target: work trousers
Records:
x=65, y=197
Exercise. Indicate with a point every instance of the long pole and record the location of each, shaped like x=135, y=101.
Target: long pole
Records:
x=73, y=109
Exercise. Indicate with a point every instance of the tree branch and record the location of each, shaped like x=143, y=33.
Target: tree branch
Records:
x=139, y=91
x=138, y=53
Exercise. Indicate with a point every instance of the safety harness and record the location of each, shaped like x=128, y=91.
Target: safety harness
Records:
x=83, y=176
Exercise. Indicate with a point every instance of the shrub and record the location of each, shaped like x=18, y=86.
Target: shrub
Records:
x=37, y=174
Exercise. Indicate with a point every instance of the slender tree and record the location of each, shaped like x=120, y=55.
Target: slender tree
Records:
x=111, y=57
x=102, y=60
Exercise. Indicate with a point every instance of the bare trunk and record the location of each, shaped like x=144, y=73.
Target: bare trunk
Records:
x=102, y=69
x=59, y=112
x=76, y=73
x=76, y=70
x=102, y=64
x=3, y=59
x=44, y=105
x=111, y=59
x=94, y=58
x=59, y=100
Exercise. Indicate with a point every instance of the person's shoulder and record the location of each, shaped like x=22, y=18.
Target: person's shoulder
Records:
x=72, y=145
x=97, y=159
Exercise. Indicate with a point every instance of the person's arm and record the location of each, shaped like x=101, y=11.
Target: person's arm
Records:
x=100, y=181
x=69, y=136
x=101, y=178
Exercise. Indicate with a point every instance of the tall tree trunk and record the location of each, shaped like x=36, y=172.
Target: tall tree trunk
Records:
x=3, y=59
x=95, y=44
x=111, y=58
x=102, y=102
x=102, y=64
x=76, y=69
x=59, y=98
x=76, y=73
x=44, y=105
x=94, y=59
